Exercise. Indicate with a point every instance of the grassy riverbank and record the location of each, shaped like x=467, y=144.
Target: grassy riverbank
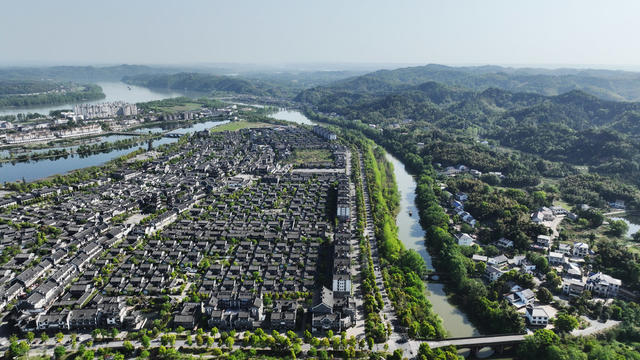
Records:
x=402, y=269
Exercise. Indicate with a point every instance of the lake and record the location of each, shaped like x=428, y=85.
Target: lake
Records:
x=85, y=141
x=291, y=115
x=35, y=170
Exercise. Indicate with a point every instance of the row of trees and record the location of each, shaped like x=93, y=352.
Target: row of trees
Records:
x=375, y=328
x=404, y=268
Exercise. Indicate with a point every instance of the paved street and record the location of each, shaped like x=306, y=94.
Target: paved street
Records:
x=387, y=313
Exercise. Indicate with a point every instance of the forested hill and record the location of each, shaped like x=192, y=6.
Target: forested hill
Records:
x=574, y=127
x=20, y=93
x=206, y=83
x=605, y=84
x=15, y=87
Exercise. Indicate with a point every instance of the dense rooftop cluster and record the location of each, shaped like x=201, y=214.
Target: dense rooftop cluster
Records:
x=219, y=226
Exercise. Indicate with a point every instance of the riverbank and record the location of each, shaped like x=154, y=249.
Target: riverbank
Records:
x=412, y=236
x=403, y=269
x=50, y=167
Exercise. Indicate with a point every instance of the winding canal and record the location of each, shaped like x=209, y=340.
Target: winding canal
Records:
x=413, y=237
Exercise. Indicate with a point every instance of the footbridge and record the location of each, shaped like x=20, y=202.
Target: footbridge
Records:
x=475, y=343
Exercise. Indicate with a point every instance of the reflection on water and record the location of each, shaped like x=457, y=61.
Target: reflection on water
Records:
x=35, y=170
x=198, y=127
x=86, y=141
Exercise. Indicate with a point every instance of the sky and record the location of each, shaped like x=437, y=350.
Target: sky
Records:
x=545, y=33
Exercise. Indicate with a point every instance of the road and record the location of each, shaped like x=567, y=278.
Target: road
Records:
x=595, y=327
x=398, y=338
x=356, y=269
x=477, y=341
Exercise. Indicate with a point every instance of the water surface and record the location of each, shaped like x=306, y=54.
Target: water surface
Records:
x=113, y=90
x=413, y=237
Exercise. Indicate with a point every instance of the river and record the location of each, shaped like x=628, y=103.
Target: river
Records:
x=412, y=236
x=39, y=169
x=114, y=91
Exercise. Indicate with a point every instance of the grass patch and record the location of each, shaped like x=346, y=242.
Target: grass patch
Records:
x=306, y=156
x=237, y=125
x=182, y=107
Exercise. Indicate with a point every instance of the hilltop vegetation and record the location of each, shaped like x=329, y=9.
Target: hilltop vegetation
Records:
x=205, y=83
x=574, y=128
x=78, y=73
x=14, y=93
x=610, y=85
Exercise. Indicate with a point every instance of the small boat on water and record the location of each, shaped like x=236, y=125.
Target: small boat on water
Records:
x=410, y=213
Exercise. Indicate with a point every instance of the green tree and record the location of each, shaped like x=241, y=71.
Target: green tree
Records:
x=59, y=352
x=544, y=295
x=30, y=337
x=88, y=355
x=229, y=342
x=128, y=347
x=618, y=227
x=145, y=341
x=565, y=323
x=17, y=349
x=44, y=337
x=410, y=260
x=397, y=355
x=59, y=337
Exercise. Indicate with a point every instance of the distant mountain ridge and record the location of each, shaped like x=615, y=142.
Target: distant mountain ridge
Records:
x=79, y=73
x=606, y=84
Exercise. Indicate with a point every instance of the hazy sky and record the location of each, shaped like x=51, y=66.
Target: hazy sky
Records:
x=543, y=32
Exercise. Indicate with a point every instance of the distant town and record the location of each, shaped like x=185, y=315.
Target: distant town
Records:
x=92, y=120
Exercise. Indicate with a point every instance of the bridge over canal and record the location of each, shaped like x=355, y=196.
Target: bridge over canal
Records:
x=475, y=343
